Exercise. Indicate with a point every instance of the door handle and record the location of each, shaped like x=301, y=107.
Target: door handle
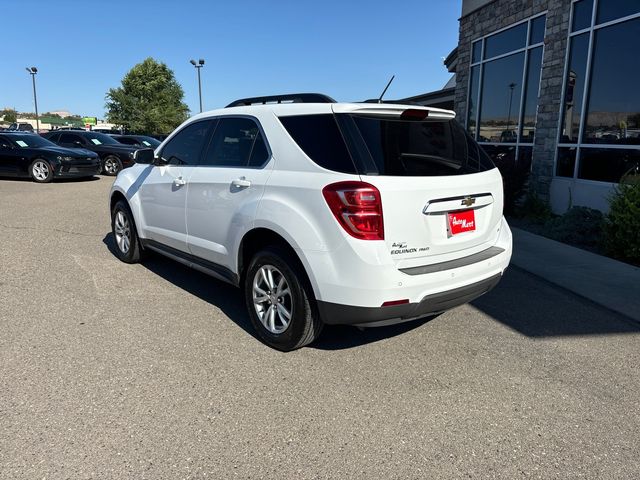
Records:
x=241, y=183
x=178, y=182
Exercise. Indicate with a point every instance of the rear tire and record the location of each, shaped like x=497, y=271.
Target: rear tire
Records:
x=41, y=171
x=123, y=227
x=279, y=300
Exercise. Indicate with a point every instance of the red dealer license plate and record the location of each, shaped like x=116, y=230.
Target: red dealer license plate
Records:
x=463, y=221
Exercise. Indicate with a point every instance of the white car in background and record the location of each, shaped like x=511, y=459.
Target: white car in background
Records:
x=322, y=212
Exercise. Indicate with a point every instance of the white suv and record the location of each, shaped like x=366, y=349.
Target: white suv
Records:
x=322, y=212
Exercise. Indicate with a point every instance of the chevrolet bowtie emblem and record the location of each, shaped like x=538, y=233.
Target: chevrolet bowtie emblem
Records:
x=467, y=202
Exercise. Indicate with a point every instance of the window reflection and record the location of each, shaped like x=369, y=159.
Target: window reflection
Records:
x=582, y=11
x=566, y=161
x=476, y=52
x=531, y=95
x=607, y=164
x=612, y=9
x=536, y=33
x=473, y=96
x=572, y=106
x=507, y=41
x=499, y=109
x=613, y=111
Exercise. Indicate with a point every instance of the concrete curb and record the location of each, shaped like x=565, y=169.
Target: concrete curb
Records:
x=607, y=282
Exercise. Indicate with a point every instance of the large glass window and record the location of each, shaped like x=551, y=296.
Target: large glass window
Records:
x=501, y=84
x=601, y=108
x=613, y=105
x=575, y=80
x=504, y=87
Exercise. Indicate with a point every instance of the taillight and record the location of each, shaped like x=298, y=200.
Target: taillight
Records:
x=358, y=208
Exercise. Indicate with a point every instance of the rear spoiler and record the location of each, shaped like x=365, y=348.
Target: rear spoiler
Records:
x=388, y=110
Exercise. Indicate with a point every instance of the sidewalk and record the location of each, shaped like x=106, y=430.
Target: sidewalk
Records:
x=612, y=284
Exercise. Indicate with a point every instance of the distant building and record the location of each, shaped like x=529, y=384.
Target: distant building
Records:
x=554, y=85
x=61, y=113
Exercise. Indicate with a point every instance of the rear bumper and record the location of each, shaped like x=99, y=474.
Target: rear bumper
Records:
x=333, y=313
x=351, y=288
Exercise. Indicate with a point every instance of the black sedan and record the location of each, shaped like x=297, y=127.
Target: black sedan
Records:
x=113, y=155
x=138, y=141
x=30, y=155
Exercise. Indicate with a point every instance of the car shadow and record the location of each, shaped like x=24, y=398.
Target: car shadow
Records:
x=215, y=292
x=230, y=301
x=55, y=180
x=521, y=301
x=537, y=308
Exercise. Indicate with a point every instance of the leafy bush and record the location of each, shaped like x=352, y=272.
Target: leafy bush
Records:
x=580, y=226
x=622, y=227
x=535, y=209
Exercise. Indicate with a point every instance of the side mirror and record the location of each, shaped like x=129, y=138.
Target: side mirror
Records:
x=77, y=144
x=144, y=155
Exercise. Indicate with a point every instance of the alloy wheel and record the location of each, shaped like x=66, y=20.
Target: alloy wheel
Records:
x=272, y=299
x=122, y=231
x=40, y=170
x=111, y=166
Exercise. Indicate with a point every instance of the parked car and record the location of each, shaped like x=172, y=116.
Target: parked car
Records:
x=30, y=155
x=139, y=141
x=321, y=212
x=22, y=127
x=114, y=156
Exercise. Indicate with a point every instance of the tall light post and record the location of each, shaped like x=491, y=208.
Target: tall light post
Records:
x=32, y=71
x=511, y=87
x=198, y=66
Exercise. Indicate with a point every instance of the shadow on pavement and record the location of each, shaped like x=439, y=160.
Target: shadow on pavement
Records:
x=521, y=301
x=537, y=308
x=229, y=299
x=55, y=180
x=215, y=292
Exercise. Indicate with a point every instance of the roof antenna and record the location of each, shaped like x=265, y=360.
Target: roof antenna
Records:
x=385, y=89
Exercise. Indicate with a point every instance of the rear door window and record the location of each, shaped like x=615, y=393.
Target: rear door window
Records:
x=237, y=142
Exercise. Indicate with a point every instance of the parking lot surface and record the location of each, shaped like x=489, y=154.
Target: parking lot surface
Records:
x=110, y=370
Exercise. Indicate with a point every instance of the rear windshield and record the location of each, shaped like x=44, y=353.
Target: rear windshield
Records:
x=375, y=146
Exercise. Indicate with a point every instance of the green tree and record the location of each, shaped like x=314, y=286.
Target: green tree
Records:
x=149, y=100
x=10, y=116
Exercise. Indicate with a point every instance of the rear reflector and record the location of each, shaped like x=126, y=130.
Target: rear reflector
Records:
x=395, y=302
x=358, y=208
x=414, y=114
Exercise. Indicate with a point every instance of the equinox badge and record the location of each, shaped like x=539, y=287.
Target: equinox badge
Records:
x=468, y=201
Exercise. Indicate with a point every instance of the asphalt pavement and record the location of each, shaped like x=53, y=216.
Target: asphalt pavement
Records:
x=110, y=370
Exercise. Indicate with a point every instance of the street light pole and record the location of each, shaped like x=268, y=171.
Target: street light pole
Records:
x=32, y=71
x=198, y=66
x=511, y=87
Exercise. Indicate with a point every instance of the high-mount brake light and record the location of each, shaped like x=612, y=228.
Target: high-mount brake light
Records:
x=414, y=114
x=358, y=208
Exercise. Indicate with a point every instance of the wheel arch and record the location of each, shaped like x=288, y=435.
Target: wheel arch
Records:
x=260, y=237
x=115, y=197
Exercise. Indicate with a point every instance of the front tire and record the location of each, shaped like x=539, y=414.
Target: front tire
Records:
x=128, y=248
x=279, y=300
x=111, y=165
x=41, y=171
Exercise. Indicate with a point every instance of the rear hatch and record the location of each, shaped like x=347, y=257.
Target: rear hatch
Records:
x=441, y=195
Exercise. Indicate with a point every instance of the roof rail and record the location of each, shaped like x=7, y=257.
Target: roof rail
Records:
x=287, y=98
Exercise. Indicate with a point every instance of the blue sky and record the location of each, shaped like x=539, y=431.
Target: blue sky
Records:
x=346, y=49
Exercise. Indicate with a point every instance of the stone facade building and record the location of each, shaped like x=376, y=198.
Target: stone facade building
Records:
x=551, y=87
